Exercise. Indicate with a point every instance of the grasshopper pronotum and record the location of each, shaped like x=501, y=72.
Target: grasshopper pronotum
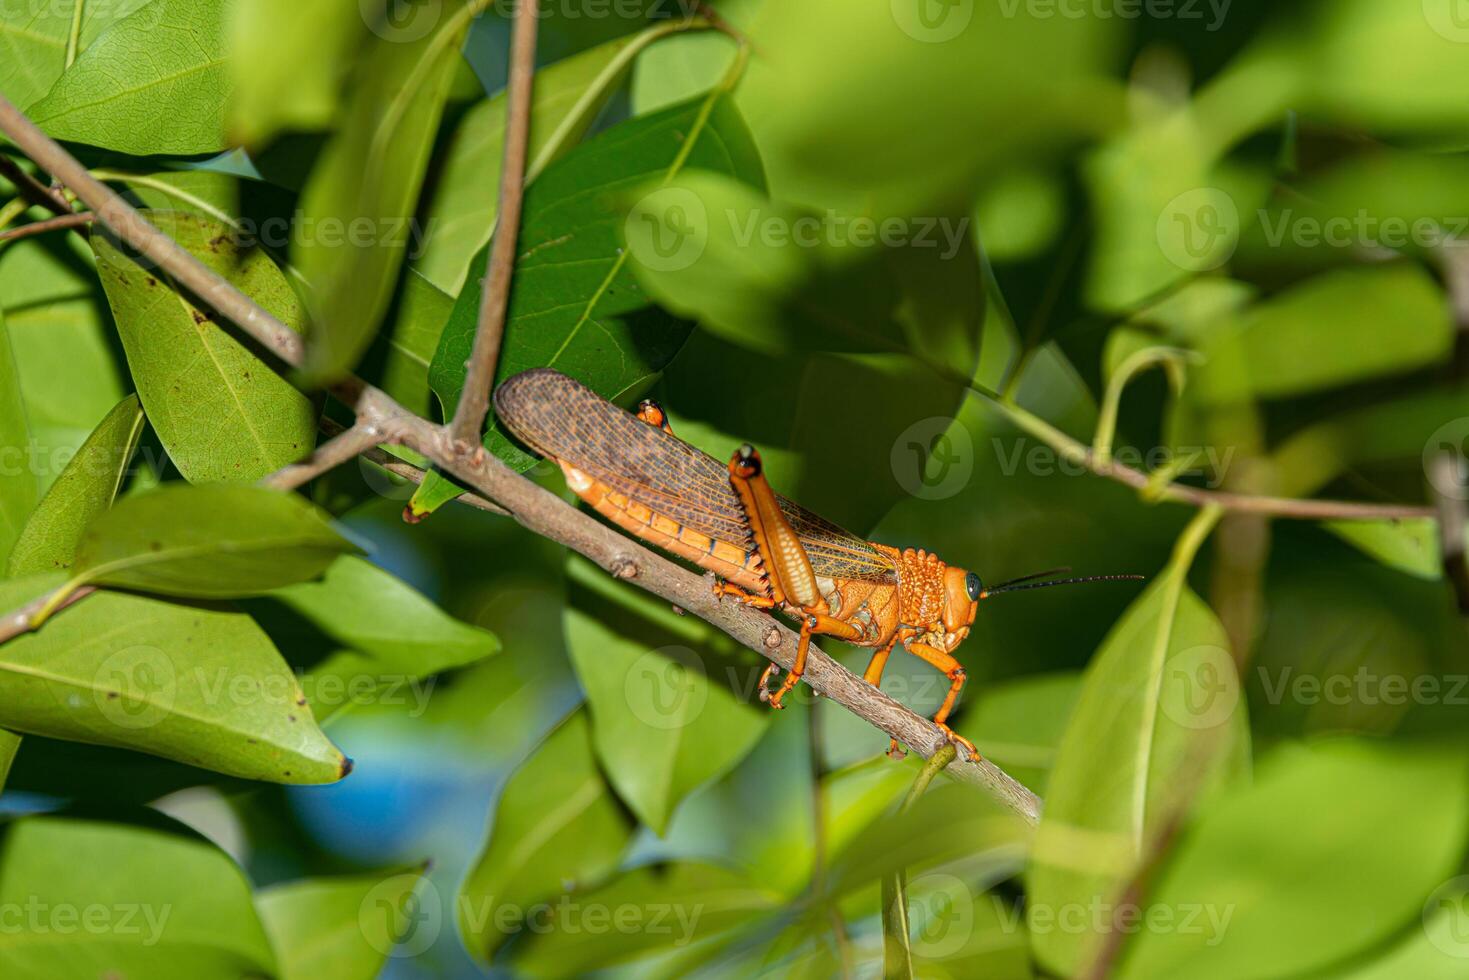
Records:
x=766, y=551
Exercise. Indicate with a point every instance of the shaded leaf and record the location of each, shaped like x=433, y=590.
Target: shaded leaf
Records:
x=85, y=489
x=18, y=484
x=1410, y=546
x=210, y=541
x=155, y=82
x=358, y=206
x=222, y=412
x=418, y=321
x=9, y=746
x=660, y=724
x=342, y=927
x=557, y=826
x=575, y=300
x=371, y=610
x=194, y=683
x=1372, y=828
x=176, y=907
x=567, y=99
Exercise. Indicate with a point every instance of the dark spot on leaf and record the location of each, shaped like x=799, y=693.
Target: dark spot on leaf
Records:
x=152, y=281
x=112, y=695
x=198, y=317
x=155, y=545
x=287, y=772
x=290, y=718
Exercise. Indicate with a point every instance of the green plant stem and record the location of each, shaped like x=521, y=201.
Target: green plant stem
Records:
x=1112, y=398
x=74, y=39
x=897, y=953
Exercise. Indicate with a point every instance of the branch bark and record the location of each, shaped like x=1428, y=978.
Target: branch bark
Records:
x=49, y=224
x=32, y=189
x=474, y=400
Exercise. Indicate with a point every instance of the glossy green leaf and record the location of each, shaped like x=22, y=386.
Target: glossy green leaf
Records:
x=661, y=910
x=85, y=489
x=9, y=746
x=557, y=826
x=1161, y=688
x=209, y=541
x=33, y=41
x=1410, y=546
x=1328, y=332
x=371, y=610
x=1326, y=856
x=194, y=683
x=56, y=314
x=125, y=900
x=289, y=63
x=222, y=412
x=155, y=82
x=342, y=927
x=357, y=210
x=567, y=99
x=661, y=724
x=575, y=300
x=18, y=482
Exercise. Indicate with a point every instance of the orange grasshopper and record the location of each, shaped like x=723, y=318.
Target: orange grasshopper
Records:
x=765, y=550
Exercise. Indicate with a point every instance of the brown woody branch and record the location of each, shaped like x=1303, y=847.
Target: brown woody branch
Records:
x=48, y=224
x=474, y=398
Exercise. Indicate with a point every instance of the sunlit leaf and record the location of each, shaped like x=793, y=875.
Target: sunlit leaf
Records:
x=155, y=82
x=33, y=47
x=221, y=411
x=210, y=541
x=84, y=490
x=342, y=927
x=196, y=683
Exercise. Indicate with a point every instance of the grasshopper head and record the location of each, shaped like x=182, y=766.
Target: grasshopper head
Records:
x=962, y=592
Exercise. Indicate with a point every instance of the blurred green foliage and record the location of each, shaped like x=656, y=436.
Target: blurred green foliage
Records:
x=875, y=240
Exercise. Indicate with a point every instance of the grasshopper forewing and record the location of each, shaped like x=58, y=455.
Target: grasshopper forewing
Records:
x=767, y=551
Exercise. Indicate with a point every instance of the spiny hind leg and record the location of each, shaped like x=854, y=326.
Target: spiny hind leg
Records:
x=955, y=673
x=812, y=624
x=652, y=413
x=728, y=590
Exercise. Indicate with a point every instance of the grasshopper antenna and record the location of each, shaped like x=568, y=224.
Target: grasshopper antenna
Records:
x=1028, y=581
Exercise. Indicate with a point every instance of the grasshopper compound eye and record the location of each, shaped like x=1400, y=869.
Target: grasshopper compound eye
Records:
x=974, y=585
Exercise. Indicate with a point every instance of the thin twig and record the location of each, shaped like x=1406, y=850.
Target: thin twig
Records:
x=387, y=461
x=474, y=399
x=329, y=455
x=32, y=189
x=25, y=619
x=48, y=224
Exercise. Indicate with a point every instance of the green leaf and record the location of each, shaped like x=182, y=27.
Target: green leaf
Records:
x=654, y=910
x=289, y=62
x=1328, y=332
x=172, y=905
x=1162, y=683
x=221, y=412
x=156, y=82
x=33, y=47
x=57, y=318
x=18, y=483
x=342, y=927
x=357, y=209
x=371, y=610
x=9, y=746
x=213, y=541
x=567, y=99
x=1410, y=546
x=85, y=489
x=1018, y=724
x=557, y=826
x=195, y=683
x=1434, y=952
x=661, y=726
x=1330, y=851
x=417, y=324
x=576, y=305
